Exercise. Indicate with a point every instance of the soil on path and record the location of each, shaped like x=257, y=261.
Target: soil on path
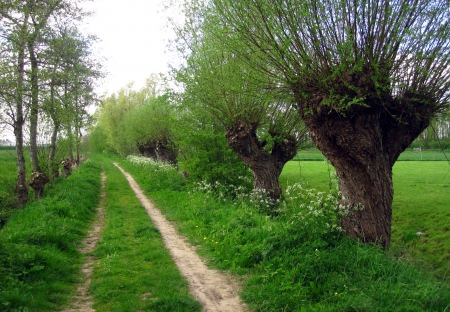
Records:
x=82, y=302
x=215, y=291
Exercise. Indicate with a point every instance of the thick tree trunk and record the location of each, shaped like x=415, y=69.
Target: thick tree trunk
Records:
x=363, y=148
x=266, y=167
x=166, y=152
x=148, y=150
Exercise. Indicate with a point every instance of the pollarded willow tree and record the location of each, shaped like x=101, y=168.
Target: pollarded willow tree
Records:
x=151, y=127
x=262, y=125
x=368, y=76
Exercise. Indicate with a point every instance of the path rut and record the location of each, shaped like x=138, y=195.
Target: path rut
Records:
x=215, y=291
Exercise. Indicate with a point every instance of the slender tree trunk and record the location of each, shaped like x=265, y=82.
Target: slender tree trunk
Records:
x=51, y=155
x=363, y=150
x=70, y=140
x=38, y=179
x=52, y=167
x=34, y=109
x=21, y=185
x=266, y=167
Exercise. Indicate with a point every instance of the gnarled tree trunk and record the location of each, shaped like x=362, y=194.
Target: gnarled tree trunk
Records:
x=363, y=147
x=266, y=167
x=148, y=149
x=166, y=152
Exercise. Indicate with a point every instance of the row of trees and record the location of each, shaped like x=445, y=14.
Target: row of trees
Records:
x=157, y=123
x=48, y=75
x=365, y=78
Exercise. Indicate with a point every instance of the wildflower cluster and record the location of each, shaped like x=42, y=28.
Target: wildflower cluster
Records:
x=150, y=164
x=319, y=212
x=220, y=191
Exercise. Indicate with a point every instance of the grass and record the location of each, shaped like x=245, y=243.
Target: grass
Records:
x=8, y=173
x=407, y=155
x=39, y=261
x=134, y=271
x=289, y=262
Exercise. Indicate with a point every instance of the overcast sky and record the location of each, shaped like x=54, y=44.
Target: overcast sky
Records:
x=133, y=36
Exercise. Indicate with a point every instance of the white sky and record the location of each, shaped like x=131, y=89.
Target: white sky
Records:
x=133, y=39
x=133, y=36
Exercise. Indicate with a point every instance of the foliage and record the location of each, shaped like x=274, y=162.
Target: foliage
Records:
x=161, y=175
x=206, y=157
x=130, y=117
x=38, y=257
x=97, y=140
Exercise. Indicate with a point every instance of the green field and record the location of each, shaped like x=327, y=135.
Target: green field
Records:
x=421, y=204
x=409, y=154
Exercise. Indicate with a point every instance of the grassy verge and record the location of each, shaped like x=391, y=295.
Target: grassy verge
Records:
x=293, y=262
x=39, y=261
x=134, y=271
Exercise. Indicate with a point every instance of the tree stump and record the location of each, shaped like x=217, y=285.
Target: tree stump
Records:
x=37, y=181
x=68, y=166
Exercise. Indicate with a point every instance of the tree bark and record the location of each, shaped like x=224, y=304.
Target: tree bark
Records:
x=148, y=150
x=363, y=147
x=51, y=155
x=166, y=152
x=21, y=185
x=38, y=179
x=266, y=167
x=34, y=109
x=52, y=167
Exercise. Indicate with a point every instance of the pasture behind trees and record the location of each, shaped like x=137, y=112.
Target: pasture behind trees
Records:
x=368, y=77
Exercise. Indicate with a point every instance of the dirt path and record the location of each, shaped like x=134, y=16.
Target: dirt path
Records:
x=82, y=300
x=215, y=291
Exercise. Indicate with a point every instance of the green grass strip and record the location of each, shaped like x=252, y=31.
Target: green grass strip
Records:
x=134, y=271
x=39, y=261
